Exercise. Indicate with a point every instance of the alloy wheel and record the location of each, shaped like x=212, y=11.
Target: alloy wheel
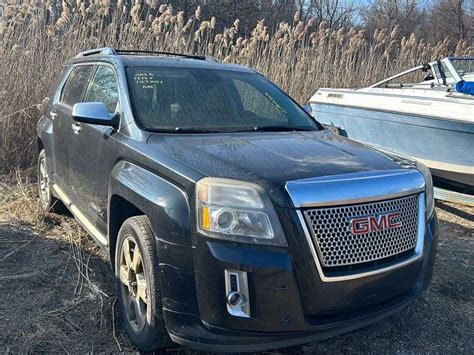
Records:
x=134, y=284
x=43, y=182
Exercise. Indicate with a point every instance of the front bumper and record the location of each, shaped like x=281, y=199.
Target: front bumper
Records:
x=188, y=331
x=290, y=304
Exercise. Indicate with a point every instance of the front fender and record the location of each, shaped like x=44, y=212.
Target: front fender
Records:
x=166, y=205
x=167, y=208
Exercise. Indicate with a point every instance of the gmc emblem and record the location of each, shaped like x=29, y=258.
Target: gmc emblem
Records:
x=364, y=225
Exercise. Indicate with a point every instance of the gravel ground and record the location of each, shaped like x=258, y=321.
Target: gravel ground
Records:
x=57, y=293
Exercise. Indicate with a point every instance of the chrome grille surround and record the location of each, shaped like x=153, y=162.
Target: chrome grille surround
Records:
x=358, y=188
x=335, y=244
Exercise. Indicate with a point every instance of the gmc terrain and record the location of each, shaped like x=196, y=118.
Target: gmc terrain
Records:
x=234, y=221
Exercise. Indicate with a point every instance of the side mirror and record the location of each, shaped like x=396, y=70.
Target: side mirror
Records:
x=94, y=113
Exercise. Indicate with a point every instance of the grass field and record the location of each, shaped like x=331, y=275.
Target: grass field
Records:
x=301, y=57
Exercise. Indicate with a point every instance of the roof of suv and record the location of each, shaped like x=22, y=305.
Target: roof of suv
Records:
x=128, y=59
x=150, y=60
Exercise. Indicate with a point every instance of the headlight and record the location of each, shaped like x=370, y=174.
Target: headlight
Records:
x=238, y=211
x=429, y=194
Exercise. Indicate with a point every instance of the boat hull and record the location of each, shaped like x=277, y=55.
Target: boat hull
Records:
x=445, y=146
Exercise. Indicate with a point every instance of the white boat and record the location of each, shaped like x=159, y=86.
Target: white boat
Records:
x=428, y=120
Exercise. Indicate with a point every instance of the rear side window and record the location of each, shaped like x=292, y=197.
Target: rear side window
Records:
x=76, y=84
x=104, y=88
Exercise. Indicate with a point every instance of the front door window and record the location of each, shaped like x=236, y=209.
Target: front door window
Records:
x=104, y=88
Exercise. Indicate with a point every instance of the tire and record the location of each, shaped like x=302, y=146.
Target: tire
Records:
x=47, y=199
x=138, y=286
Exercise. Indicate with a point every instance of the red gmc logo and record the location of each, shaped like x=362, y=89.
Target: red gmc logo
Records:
x=364, y=225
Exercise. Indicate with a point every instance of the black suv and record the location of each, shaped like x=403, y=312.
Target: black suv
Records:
x=233, y=220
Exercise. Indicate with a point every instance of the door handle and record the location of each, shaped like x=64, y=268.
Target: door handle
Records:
x=76, y=127
x=53, y=115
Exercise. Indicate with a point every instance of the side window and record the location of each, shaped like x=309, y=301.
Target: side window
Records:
x=104, y=88
x=76, y=84
x=261, y=105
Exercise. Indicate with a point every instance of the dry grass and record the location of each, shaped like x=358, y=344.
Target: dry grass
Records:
x=37, y=40
x=21, y=207
x=49, y=264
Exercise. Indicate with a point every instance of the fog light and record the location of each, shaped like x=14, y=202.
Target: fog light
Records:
x=237, y=293
x=234, y=299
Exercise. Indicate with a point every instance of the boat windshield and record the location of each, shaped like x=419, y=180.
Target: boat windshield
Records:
x=465, y=67
x=442, y=73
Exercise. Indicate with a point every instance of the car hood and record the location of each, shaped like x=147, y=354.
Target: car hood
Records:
x=270, y=158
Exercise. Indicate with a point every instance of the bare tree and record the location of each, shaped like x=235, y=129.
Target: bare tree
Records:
x=276, y=11
x=452, y=18
x=226, y=11
x=404, y=15
x=336, y=13
x=304, y=8
x=471, y=22
x=249, y=12
x=431, y=19
x=187, y=6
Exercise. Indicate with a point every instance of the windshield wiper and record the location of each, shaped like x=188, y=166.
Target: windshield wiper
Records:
x=183, y=130
x=275, y=129
x=195, y=130
x=231, y=130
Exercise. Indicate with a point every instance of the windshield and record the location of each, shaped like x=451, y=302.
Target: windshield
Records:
x=204, y=100
x=465, y=67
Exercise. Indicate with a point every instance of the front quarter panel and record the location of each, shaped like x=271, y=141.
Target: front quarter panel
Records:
x=167, y=208
x=165, y=204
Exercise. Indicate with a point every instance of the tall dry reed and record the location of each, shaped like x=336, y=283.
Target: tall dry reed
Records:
x=37, y=40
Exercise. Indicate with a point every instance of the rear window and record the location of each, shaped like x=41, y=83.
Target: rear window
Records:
x=181, y=99
x=76, y=84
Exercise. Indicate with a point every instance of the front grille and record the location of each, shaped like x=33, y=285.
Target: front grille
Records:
x=337, y=246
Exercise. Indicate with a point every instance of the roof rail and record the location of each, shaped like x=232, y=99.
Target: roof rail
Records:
x=138, y=51
x=103, y=51
x=112, y=51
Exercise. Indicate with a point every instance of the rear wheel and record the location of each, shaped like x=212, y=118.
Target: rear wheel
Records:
x=136, y=266
x=48, y=201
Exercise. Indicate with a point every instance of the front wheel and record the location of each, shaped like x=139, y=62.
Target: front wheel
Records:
x=138, y=288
